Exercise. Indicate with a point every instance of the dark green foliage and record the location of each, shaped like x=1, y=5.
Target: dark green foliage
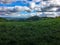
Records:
x=41, y=32
x=2, y=19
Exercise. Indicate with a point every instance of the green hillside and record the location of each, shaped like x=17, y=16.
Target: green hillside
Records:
x=42, y=32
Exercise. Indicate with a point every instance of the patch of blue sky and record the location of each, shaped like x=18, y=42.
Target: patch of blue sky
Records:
x=29, y=0
x=18, y=3
x=37, y=2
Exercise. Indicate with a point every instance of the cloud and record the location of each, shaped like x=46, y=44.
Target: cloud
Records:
x=13, y=10
x=32, y=5
x=50, y=5
x=47, y=6
x=6, y=1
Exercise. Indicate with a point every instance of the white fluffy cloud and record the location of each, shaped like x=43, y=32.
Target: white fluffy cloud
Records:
x=51, y=7
x=32, y=5
x=47, y=6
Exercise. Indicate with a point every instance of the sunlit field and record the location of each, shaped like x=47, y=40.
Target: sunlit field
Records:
x=40, y=32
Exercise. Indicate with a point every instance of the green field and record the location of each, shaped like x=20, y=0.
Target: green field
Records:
x=40, y=32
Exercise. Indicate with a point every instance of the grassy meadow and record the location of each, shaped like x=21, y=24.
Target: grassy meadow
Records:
x=40, y=32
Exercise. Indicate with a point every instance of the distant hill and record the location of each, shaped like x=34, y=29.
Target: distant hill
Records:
x=33, y=18
x=11, y=19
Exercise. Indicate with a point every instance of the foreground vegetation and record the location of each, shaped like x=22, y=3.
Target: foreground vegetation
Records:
x=42, y=32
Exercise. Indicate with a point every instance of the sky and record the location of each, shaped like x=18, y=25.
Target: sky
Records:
x=18, y=3
x=26, y=8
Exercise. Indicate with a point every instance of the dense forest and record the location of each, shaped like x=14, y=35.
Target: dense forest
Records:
x=34, y=31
